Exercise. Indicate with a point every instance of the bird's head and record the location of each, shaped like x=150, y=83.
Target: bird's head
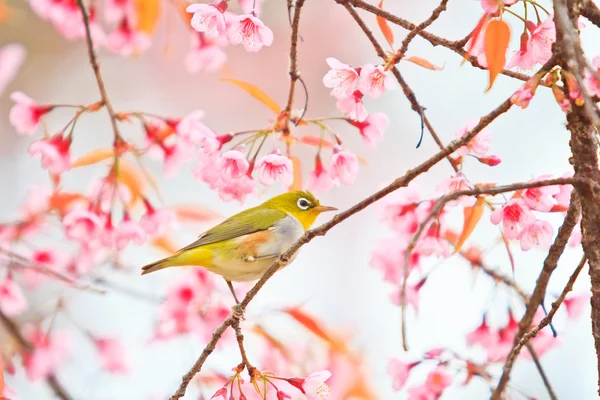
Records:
x=301, y=204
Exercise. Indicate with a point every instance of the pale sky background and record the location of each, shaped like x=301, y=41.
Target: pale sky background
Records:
x=331, y=276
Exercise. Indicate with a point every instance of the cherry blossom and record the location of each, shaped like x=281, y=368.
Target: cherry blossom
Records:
x=313, y=386
x=591, y=83
x=127, y=41
x=493, y=6
x=483, y=335
x=353, y=106
x=220, y=394
x=82, y=224
x=537, y=49
x=372, y=128
x=411, y=296
x=12, y=57
x=237, y=189
x=25, y=115
x=12, y=300
x=156, y=221
x=275, y=166
x=522, y=96
x=49, y=351
x=112, y=355
x=541, y=198
x=204, y=55
x=128, y=231
x=341, y=78
x=343, y=166
x=438, y=380
x=233, y=164
x=478, y=146
x=249, y=31
x=374, y=80
x=576, y=304
x=514, y=216
x=456, y=183
x=54, y=152
x=319, y=179
x=116, y=10
x=208, y=18
x=399, y=371
x=49, y=258
x=537, y=233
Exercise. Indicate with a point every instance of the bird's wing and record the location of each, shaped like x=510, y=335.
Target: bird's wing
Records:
x=246, y=222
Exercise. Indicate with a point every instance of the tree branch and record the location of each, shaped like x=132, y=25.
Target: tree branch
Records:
x=420, y=28
x=15, y=332
x=591, y=11
x=539, y=292
x=294, y=74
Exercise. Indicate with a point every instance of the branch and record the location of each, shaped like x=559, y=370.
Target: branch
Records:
x=294, y=75
x=539, y=292
x=51, y=380
x=420, y=28
x=591, y=11
x=453, y=196
x=538, y=365
x=96, y=68
x=408, y=92
x=240, y=339
x=455, y=46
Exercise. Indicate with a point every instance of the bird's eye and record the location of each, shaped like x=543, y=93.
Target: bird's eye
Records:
x=303, y=204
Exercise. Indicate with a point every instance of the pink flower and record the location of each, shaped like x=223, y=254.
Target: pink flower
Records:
x=591, y=83
x=353, y=106
x=421, y=392
x=514, y=215
x=192, y=130
x=479, y=145
x=493, y=6
x=522, y=96
x=540, y=198
x=457, y=183
x=250, y=32
x=313, y=386
x=411, y=296
x=433, y=245
x=49, y=351
x=50, y=259
x=438, y=380
x=128, y=231
x=126, y=41
x=275, y=166
x=539, y=232
x=399, y=371
x=233, y=164
x=236, y=189
x=25, y=115
x=372, y=128
x=541, y=40
x=155, y=222
x=343, y=166
x=175, y=156
x=112, y=355
x=204, y=56
x=374, y=80
x=54, y=152
x=82, y=224
x=12, y=300
x=483, y=335
x=220, y=394
x=576, y=304
x=116, y=10
x=11, y=58
x=389, y=258
x=341, y=78
x=319, y=179
x=208, y=18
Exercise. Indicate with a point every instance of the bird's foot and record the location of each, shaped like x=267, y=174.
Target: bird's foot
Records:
x=238, y=312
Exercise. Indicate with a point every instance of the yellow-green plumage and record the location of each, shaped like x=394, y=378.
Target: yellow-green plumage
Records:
x=242, y=247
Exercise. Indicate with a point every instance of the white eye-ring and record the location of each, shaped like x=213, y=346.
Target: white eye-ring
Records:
x=303, y=204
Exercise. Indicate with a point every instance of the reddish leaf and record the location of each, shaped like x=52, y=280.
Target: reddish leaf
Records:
x=165, y=244
x=495, y=44
x=316, y=141
x=1, y=378
x=130, y=176
x=475, y=34
x=93, y=157
x=259, y=330
x=297, y=183
x=315, y=327
x=194, y=213
x=423, y=63
x=385, y=28
x=257, y=93
x=472, y=216
x=60, y=201
x=147, y=13
x=509, y=251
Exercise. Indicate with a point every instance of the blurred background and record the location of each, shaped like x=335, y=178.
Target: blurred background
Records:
x=331, y=276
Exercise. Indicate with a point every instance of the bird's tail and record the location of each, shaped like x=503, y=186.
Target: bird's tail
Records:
x=158, y=265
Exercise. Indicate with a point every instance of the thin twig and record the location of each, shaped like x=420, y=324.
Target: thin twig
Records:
x=240, y=339
x=321, y=230
x=421, y=27
x=538, y=365
x=437, y=208
x=539, y=292
x=294, y=75
x=15, y=332
x=97, y=73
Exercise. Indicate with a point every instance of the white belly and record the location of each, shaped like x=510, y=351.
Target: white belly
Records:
x=287, y=231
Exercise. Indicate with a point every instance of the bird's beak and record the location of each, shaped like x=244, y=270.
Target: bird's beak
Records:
x=325, y=208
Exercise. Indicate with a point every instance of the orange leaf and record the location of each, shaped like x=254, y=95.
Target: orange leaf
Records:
x=317, y=141
x=128, y=175
x=147, y=12
x=93, y=157
x=315, y=327
x=259, y=330
x=1, y=378
x=495, y=44
x=60, y=201
x=475, y=35
x=472, y=217
x=165, y=244
x=385, y=28
x=194, y=213
x=297, y=183
x=257, y=93
x=508, y=251
x=423, y=63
